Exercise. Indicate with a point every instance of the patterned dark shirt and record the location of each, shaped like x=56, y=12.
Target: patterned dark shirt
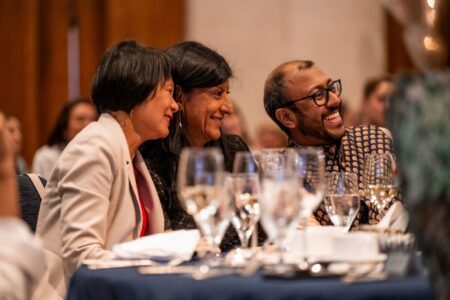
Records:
x=348, y=154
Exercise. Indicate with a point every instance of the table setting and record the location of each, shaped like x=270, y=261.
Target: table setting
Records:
x=280, y=190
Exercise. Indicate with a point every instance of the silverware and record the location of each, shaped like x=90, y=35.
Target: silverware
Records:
x=366, y=272
x=160, y=270
x=96, y=264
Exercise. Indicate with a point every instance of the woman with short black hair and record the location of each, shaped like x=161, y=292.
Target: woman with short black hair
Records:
x=100, y=192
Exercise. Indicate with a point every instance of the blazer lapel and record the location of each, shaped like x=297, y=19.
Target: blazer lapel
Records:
x=156, y=219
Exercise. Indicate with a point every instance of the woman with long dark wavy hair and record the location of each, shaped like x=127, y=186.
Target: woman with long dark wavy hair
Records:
x=202, y=89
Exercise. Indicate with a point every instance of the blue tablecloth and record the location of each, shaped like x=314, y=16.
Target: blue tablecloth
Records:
x=127, y=283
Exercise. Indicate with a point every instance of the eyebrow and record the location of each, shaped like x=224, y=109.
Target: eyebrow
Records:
x=329, y=80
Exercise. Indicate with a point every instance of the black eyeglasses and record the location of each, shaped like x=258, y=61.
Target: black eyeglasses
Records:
x=321, y=97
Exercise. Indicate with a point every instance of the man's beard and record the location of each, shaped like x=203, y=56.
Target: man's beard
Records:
x=316, y=131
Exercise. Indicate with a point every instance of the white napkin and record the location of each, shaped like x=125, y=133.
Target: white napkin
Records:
x=163, y=246
x=331, y=243
x=396, y=218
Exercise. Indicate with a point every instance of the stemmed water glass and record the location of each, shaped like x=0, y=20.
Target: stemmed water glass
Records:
x=201, y=193
x=280, y=203
x=380, y=180
x=245, y=190
x=310, y=167
x=341, y=198
x=245, y=163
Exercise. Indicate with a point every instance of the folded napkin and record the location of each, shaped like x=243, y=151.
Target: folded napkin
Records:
x=331, y=243
x=395, y=219
x=163, y=246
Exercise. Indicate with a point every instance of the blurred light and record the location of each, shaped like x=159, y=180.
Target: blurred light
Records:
x=430, y=43
x=431, y=4
x=430, y=16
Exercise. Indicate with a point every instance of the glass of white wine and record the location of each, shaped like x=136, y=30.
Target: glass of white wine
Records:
x=380, y=180
x=201, y=193
x=341, y=198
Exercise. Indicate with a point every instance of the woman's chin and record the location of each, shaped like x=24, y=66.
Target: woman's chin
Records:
x=158, y=135
x=214, y=135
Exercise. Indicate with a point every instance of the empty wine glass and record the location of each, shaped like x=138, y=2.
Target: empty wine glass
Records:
x=310, y=167
x=200, y=190
x=245, y=190
x=244, y=163
x=380, y=180
x=342, y=198
x=280, y=204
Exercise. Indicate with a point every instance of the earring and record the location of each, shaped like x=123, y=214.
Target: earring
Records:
x=131, y=113
x=180, y=111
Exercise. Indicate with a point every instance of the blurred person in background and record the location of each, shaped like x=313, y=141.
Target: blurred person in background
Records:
x=268, y=135
x=12, y=124
x=201, y=80
x=234, y=124
x=375, y=102
x=21, y=257
x=100, y=192
x=73, y=117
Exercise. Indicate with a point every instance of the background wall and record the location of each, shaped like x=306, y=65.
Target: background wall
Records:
x=35, y=51
x=345, y=38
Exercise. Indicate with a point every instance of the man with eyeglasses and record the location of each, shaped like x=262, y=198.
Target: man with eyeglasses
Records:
x=305, y=103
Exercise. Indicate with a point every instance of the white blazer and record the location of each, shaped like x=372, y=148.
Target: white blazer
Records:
x=91, y=203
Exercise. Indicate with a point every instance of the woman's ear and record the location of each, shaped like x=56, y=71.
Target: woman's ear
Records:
x=286, y=117
x=177, y=94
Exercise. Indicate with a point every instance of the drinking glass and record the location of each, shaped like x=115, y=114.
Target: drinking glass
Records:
x=380, y=180
x=201, y=193
x=245, y=190
x=342, y=198
x=280, y=203
x=244, y=163
x=310, y=167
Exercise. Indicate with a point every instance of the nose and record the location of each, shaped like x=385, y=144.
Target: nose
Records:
x=227, y=106
x=333, y=100
x=174, y=106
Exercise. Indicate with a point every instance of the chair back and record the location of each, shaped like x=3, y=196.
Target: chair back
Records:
x=31, y=190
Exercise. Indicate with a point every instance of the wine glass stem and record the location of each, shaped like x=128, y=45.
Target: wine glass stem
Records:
x=304, y=241
x=244, y=241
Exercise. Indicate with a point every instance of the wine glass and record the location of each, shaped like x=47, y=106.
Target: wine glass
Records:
x=245, y=190
x=200, y=190
x=310, y=167
x=380, y=180
x=280, y=205
x=244, y=163
x=342, y=198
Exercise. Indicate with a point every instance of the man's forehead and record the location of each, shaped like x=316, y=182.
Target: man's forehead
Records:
x=304, y=79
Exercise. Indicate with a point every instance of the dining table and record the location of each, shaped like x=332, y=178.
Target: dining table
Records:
x=129, y=283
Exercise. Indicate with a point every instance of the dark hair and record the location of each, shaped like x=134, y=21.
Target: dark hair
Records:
x=57, y=136
x=275, y=89
x=197, y=66
x=127, y=74
x=7, y=116
x=372, y=84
